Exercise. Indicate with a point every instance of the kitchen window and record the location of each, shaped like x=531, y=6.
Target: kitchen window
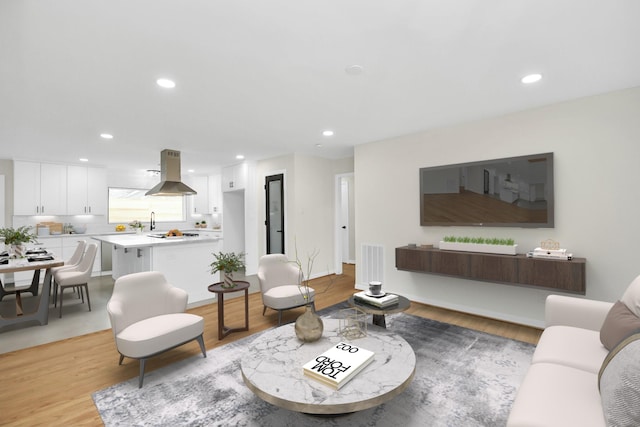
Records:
x=128, y=204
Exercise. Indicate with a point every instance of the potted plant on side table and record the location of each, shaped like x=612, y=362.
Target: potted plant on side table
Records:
x=227, y=263
x=15, y=239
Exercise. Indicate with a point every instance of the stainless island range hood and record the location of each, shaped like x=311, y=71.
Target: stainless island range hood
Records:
x=171, y=182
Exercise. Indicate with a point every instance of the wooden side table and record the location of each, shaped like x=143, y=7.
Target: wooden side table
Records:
x=217, y=289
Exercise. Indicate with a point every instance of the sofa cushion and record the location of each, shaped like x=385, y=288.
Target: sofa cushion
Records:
x=150, y=336
x=554, y=395
x=575, y=347
x=619, y=324
x=631, y=297
x=287, y=296
x=619, y=381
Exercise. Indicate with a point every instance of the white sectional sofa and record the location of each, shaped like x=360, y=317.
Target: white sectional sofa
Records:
x=562, y=386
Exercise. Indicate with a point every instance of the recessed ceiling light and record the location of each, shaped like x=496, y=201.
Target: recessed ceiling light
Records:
x=191, y=170
x=106, y=136
x=82, y=159
x=318, y=145
x=531, y=78
x=354, y=70
x=239, y=157
x=328, y=133
x=166, y=83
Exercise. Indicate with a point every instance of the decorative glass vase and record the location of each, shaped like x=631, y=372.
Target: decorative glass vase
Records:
x=227, y=280
x=309, y=326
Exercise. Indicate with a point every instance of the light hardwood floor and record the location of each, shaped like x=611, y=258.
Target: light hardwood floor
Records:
x=51, y=384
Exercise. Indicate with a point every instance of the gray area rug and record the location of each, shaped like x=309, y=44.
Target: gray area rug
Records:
x=463, y=378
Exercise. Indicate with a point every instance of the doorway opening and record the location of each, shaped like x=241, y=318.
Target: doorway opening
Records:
x=344, y=219
x=274, y=188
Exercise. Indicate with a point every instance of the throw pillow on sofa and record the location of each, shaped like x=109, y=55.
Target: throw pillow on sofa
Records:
x=619, y=324
x=619, y=382
x=631, y=297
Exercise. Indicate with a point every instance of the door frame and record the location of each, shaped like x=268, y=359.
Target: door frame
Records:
x=337, y=221
x=277, y=176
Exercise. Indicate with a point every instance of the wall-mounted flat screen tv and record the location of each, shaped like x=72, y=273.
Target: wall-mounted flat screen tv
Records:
x=510, y=192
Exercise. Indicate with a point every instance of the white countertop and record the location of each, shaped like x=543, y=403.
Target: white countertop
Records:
x=143, y=240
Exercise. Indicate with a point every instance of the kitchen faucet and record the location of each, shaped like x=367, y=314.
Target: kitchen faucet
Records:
x=152, y=223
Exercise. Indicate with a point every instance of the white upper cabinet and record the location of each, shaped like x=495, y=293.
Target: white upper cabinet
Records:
x=215, y=193
x=234, y=177
x=199, y=203
x=39, y=188
x=86, y=190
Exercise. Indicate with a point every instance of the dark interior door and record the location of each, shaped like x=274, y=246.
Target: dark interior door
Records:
x=274, y=187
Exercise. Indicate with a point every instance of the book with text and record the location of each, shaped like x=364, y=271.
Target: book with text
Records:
x=336, y=366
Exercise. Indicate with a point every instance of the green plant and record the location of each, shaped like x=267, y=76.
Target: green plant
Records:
x=480, y=240
x=227, y=262
x=17, y=236
x=136, y=224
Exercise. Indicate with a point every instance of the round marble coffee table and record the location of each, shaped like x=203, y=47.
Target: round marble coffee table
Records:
x=272, y=369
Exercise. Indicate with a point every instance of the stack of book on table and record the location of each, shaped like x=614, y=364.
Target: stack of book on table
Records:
x=336, y=366
x=380, y=301
x=551, y=254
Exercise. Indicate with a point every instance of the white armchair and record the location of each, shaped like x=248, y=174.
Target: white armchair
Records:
x=148, y=317
x=280, y=284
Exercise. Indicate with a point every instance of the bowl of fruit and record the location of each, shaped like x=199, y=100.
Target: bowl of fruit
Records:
x=120, y=228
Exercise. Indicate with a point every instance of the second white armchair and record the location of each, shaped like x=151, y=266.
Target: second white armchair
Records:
x=280, y=281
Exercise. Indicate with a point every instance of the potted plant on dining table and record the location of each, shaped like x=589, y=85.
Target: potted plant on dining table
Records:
x=15, y=239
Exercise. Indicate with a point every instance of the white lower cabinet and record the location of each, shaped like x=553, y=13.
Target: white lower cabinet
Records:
x=185, y=266
x=132, y=260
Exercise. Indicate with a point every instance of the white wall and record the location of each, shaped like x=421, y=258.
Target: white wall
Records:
x=6, y=170
x=596, y=146
x=309, y=206
x=278, y=165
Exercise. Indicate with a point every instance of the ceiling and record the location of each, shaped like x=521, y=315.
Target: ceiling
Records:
x=264, y=78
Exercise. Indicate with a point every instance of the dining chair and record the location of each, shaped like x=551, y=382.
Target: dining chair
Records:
x=72, y=263
x=280, y=281
x=78, y=276
x=147, y=316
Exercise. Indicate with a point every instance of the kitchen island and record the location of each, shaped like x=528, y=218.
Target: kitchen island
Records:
x=184, y=260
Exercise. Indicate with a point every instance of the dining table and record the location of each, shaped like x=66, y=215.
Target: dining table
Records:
x=36, y=264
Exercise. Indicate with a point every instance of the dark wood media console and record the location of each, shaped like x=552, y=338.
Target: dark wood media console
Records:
x=566, y=276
